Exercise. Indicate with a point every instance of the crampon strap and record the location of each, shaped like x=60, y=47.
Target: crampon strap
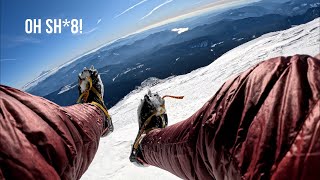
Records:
x=145, y=124
x=84, y=96
x=175, y=97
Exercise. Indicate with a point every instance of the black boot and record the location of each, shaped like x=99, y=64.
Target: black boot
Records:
x=151, y=115
x=91, y=90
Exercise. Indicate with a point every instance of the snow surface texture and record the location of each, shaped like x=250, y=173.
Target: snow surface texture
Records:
x=111, y=160
x=84, y=84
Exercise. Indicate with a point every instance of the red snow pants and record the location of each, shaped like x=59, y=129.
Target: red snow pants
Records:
x=263, y=124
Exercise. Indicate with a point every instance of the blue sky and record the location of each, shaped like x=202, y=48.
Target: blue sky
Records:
x=24, y=56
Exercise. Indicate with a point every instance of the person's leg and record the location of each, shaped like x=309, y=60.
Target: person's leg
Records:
x=41, y=140
x=181, y=148
x=259, y=125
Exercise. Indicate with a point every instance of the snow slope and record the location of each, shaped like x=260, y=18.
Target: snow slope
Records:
x=111, y=160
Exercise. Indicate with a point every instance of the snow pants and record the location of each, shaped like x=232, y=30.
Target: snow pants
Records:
x=263, y=124
x=41, y=140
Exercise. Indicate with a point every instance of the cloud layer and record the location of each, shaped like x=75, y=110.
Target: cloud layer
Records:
x=130, y=8
x=2, y=60
x=156, y=8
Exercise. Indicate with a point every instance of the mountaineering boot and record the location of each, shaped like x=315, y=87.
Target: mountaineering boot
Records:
x=151, y=115
x=91, y=91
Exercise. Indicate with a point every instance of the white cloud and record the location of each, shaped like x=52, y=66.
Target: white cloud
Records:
x=26, y=39
x=14, y=41
x=2, y=60
x=90, y=31
x=156, y=8
x=99, y=20
x=130, y=8
x=180, y=30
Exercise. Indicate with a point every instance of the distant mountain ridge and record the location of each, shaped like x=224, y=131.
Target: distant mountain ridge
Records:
x=125, y=64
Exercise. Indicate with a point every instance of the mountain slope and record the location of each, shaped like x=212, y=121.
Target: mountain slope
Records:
x=227, y=24
x=111, y=160
x=197, y=48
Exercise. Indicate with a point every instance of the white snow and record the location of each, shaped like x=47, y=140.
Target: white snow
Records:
x=180, y=30
x=315, y=5
x=84, y=75
x=131, y=69
x=139, y=66
x=214, y=45
x=295, y=8
x=67, y=88
x=113, y=79
x=240, y=39
x=202, y=44
x=111, y=160
x=126, y=71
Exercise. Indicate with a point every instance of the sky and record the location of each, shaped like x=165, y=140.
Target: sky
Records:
x=24, y=55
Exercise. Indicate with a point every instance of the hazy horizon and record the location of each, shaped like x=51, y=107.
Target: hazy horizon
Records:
x=42, y=52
